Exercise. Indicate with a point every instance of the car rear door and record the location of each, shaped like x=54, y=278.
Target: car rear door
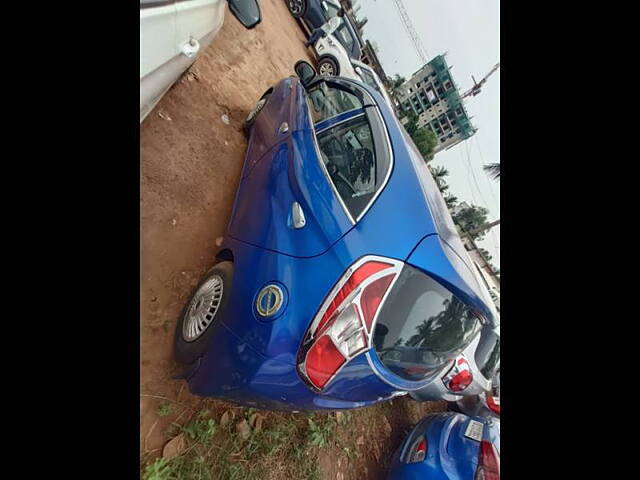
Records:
x=328, y=168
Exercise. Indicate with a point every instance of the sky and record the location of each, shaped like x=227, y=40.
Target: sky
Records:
x=469, y=31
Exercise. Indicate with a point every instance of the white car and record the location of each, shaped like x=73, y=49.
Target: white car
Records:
x=370, y=77
x=333, y=58
x=173, y=33
x=471, y=373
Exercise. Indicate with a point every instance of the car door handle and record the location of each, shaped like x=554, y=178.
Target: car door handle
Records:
x=297, y=216
x=191, y=48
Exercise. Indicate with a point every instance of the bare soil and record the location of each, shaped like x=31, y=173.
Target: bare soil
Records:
x=191, y=154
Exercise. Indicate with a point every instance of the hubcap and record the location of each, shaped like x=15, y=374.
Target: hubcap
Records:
x=295, y=6
x=326, y=69
x=202, y=308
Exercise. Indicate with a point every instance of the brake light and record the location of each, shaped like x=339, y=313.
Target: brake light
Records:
x=343, y=326
x=493, y=404
x=459, y=377
x=488, y=462
x=418, y=451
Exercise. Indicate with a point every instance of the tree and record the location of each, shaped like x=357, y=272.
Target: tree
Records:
x=424, y=138
x=493, y=169
x=451, y=201
x=471, y=217
x=426, y=141
x=397, y=81
x=485, y=253
x=438, y=174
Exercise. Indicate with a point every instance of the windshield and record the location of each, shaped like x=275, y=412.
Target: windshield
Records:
x=421, y=326
x=368, y=79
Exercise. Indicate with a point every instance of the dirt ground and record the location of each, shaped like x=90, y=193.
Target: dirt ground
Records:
x=191, y=153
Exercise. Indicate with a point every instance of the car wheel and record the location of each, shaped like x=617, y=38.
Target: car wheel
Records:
x=253, y=114
x=297, y=7
x=328, y=67
x=206, y=305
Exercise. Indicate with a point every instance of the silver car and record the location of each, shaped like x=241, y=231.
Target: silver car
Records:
x=470, y=374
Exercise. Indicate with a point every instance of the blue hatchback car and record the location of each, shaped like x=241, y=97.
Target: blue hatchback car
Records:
x=341, y=280
x=449, y=446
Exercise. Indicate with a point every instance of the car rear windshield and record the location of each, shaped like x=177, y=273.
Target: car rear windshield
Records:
x=421, y=326
x=488, y=354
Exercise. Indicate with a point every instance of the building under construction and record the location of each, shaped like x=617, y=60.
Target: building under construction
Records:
x=433, y=96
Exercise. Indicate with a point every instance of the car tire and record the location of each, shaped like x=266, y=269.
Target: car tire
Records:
x=188, y=349
x=253, y=114
x=327, y=66
x=297, y=8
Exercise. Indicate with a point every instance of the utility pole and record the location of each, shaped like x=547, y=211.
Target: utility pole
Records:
x=484, y=227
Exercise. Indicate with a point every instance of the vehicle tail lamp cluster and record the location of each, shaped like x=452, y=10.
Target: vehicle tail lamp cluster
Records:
x=343, y=326
x=418, y=450
x=488, y=462
x=493, y=403
x=459, y=377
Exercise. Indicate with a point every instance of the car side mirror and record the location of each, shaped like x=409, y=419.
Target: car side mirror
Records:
x=246, y=11
x=305, y=72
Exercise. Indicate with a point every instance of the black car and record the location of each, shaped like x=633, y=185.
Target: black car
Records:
x=314, y=13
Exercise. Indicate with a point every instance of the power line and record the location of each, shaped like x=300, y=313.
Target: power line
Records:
x=413, y=35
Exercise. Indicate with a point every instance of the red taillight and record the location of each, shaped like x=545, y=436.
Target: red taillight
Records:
x=493, y=404
x=343, y=325
x=461, y=381
x=488, y=462
x=418, y=451
x=323, y=360
x=372, y=297
x=459, y=377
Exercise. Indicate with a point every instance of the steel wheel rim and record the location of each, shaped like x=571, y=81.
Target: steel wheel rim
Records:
x=295, y=6
x=326, y=69
x=202, y=309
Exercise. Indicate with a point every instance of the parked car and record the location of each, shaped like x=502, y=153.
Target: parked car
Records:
x=370, y=77
x=333, y=59
x=486, y=404
x=173, y=33
x=339, y=250
x=314, y=13
x=469, y=374
x=449, y=446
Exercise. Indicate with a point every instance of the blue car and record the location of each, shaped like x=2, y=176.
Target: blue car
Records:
x=449, y=446
x=314, y=13
x=339, y=252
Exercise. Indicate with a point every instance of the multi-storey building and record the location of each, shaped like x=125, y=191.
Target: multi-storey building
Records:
x=433, y=96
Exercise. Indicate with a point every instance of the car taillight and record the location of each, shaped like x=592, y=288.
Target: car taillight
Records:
x=344, y=324
x=459, y=377
x=493, y=403
x=488, y=462
x=418, y=451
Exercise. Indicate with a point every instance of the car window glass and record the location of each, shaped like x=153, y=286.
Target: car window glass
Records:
x=369, y=80
x=349, y=155
x=424, y=323
x=344, y=37
x=326, y=102
x=333, y=10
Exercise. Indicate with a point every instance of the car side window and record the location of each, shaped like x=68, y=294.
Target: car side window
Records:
x=344, y=36
x=326, y=102
x=349, y=155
